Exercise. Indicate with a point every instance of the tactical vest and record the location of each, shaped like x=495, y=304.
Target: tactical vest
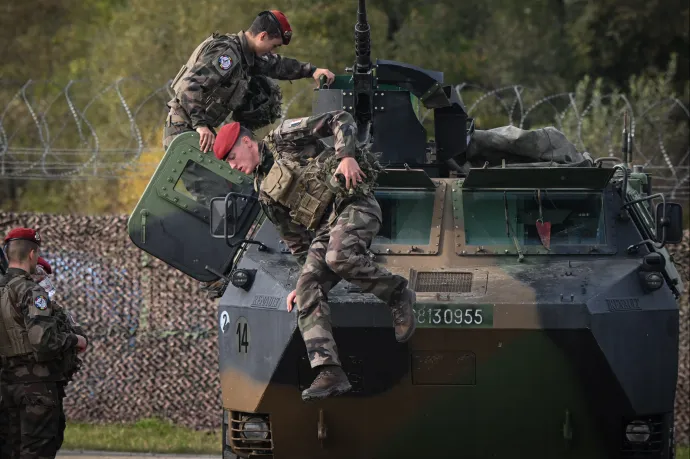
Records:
x=14, y=338
x=300, y=189
x=226, y=96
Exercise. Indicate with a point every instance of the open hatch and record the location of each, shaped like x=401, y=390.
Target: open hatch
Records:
x=172, y=218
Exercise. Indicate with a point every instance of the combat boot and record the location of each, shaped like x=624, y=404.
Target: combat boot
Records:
x=403, y=314
x=330, y=381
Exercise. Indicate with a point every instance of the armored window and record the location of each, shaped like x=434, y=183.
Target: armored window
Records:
x=407, y=216
x=201, y=185
x=493, y=218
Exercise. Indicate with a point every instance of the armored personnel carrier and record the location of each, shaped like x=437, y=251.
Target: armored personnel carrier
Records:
x=546, y=301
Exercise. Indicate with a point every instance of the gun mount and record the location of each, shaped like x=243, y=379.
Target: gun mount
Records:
x=381, y=98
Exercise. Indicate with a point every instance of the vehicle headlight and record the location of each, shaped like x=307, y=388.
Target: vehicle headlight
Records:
x=653, y=280
x=242, y=278
x=637, y=432
x=254, y=428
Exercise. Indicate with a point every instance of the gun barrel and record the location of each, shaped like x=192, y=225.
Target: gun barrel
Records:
x=362, y=38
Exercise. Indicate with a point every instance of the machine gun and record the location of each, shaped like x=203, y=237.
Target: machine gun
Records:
x=378, y=96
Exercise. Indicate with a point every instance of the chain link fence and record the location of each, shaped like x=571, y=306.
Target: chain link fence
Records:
x=153, y=335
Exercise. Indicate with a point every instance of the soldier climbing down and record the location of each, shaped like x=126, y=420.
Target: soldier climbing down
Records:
x=295, y=175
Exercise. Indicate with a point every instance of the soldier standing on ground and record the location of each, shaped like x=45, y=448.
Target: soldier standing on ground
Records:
x=293, y=174
x=71, y=363
x=32, y=348
x=216, y=79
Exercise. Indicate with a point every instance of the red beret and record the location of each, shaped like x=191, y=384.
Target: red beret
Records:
x=46, y=266
x=226, y=138
x=23, y=233
x=285, y=28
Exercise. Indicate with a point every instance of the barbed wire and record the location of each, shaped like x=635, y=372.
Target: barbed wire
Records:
x=80, y=132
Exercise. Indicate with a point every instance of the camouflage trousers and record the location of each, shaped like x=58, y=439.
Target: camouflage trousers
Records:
x=175, y=125
x=339, y=251
x=32, y=420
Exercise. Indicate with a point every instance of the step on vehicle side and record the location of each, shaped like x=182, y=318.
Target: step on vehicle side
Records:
x=546, y=301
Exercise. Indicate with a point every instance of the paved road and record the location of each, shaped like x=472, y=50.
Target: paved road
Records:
x=111, y=455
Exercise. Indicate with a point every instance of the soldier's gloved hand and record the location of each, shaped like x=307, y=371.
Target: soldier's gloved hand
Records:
x=206, y=138
x=291, y=300
x=81, y=344
x=351, y=171
x=329, y=75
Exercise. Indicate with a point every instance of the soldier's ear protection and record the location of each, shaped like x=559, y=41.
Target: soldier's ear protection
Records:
x=286, y=35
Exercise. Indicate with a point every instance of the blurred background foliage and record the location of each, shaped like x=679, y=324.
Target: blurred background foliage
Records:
x=633, y=48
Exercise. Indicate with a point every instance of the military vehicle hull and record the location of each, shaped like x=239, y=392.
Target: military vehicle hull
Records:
x=549, y=357
x=546, y=303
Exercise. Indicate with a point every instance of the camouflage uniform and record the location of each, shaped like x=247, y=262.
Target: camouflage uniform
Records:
x=33, y=381
x=338, y=249
x=210, y=87
x=214, y=82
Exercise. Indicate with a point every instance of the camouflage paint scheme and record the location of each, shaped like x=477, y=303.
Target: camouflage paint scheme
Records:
x=549, y=355
x=553, y=358
x=550, y=367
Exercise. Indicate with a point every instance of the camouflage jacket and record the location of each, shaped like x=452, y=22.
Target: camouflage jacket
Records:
x=33, y=311
x=217, y=82
x=71, y=363
x=299, y=140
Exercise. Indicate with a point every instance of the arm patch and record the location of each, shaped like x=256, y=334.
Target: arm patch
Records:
x=39, y=304
x=293, y=125
x=226, y=61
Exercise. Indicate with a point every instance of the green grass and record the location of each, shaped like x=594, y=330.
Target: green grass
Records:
x=146, y=436
x=156, y=436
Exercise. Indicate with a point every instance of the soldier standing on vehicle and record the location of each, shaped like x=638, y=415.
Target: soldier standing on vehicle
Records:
x=32, y=349
x=295, y=176
x=216, y=79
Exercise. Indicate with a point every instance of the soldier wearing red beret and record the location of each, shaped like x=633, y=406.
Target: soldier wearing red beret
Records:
x=33, y=346
x=326, y=225
x=215, y=80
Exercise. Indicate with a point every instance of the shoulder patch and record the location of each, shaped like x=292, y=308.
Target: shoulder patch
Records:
x=294, y=124
x=41, y=302
x=224, y=61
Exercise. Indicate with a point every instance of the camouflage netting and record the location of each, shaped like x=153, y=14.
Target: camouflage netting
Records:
x=153, y=348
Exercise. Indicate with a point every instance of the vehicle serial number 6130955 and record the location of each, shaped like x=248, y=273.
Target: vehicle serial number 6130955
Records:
x=450, y=316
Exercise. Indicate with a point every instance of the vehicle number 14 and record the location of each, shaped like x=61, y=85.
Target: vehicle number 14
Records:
x=443, y=316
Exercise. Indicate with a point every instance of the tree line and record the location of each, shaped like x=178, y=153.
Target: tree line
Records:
x=551, y=45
